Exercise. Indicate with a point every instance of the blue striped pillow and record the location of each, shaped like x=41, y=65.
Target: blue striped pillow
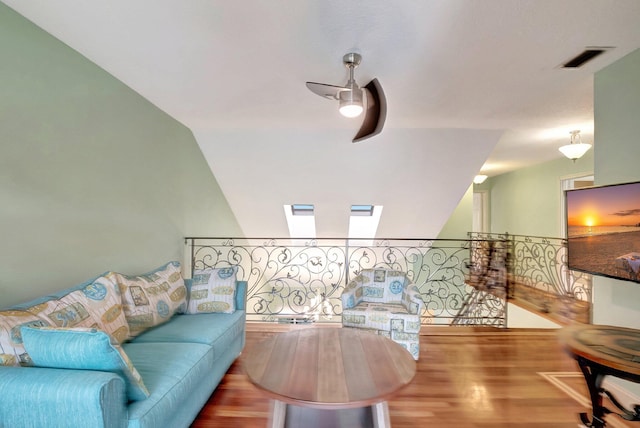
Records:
x=82, y=349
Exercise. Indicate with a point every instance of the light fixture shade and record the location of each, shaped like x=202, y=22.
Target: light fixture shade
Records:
x=350, y=110
x=479, y=179
x=575, y=151
x=351, y=102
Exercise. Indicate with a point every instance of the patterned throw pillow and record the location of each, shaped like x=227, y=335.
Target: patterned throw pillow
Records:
x=83, y=349
x=153, y=298
x=12, y=352
x=96, y=304
x=213, y=290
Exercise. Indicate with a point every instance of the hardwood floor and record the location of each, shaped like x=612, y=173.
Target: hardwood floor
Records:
x=469, y=379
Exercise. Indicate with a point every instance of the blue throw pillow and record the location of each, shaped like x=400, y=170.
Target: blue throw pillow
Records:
x=82, y=349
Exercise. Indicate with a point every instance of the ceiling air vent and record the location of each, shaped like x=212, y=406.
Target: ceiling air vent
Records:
x=584, y=57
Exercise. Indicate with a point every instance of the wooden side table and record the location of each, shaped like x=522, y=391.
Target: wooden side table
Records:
x=603, y=350
x=329, y=376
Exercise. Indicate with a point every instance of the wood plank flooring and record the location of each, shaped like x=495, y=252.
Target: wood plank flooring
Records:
x=466, y=378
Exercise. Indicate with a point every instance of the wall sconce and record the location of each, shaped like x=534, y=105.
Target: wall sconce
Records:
x=479, y=179
x=576, y=148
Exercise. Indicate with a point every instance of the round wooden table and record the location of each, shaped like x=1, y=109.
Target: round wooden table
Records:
x=604, y=350
x=315, y=375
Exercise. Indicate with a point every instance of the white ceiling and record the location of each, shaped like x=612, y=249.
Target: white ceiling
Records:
x=472, y=86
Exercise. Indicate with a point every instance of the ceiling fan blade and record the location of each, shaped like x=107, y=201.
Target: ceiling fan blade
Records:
x=376, y=112
x=327, y=91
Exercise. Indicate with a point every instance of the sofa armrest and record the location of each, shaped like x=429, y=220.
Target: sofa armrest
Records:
x=38, y=397
x=412, y=299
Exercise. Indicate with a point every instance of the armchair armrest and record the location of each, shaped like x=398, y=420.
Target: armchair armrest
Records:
x=350, y=297
x=241, y=295
x=412, y=300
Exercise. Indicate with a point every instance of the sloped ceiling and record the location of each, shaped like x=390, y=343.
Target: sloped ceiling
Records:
x=471, y=87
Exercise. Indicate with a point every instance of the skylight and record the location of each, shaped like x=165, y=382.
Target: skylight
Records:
x=301, y=220
x=302, y=209
x=366, y=210
x=363, y=222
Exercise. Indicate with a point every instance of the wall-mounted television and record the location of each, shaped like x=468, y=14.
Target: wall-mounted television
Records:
x=603, y=230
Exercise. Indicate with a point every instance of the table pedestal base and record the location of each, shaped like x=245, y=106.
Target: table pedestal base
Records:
x=288, y=416
x=594, y=375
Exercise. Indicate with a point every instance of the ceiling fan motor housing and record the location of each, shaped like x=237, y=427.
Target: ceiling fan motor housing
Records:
x=352, y=60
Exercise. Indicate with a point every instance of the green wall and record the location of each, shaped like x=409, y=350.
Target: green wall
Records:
x=617, y=107
x=92, y=176
x=460, y=221
x=617, y=160
x=528, y=201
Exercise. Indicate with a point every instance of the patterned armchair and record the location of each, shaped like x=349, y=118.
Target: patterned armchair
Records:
x=387, y=303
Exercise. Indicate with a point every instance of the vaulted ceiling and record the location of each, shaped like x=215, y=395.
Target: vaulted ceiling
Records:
x=472, y=86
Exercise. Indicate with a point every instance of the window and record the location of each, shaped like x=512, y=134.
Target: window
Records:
x=302, y=209
x=363, y=222
x=366, y=210
x=301, y=220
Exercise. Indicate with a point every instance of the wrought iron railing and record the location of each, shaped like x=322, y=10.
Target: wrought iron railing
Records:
x=302, y=280
x=539, y=277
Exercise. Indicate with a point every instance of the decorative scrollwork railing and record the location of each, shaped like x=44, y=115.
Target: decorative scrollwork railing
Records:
x=539, y=277
x=438, y=267
x=303, y=279
x=296, y=279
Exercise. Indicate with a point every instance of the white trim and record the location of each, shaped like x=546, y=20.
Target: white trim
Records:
x=480, y=211
x=566, y=183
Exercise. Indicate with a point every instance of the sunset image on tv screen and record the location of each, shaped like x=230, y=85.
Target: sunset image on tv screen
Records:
x=603, y=210
x=603, y=230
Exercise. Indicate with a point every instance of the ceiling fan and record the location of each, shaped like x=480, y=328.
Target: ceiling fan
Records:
x=351, y=98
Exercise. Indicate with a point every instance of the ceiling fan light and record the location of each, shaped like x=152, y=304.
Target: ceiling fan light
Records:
x=351, y=103
x=350, y=110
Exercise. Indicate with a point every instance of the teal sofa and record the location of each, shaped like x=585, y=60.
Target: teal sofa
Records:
x=180, y=361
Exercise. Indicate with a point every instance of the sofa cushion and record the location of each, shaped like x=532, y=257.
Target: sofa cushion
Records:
x=371, y=315
x=82, y=349
x=213, y=290
x=388, y=319
x=152, y=298
x=12, y=352
x=180, y=380
x=95, y=304
x=216, y=330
